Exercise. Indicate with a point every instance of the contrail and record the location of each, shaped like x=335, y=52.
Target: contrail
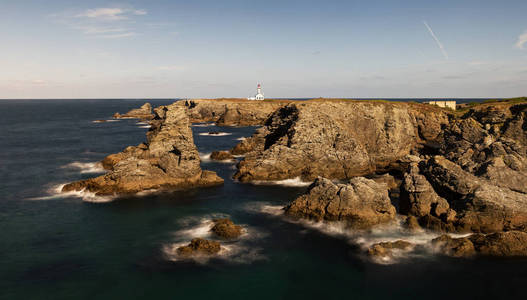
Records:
x=445, y=54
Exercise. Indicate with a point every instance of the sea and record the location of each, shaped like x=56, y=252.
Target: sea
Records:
x=78, y=246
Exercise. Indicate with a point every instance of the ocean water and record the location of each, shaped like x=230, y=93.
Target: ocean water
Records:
x=55, y=246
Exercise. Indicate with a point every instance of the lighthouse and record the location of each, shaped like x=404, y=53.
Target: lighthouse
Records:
x=259, y=95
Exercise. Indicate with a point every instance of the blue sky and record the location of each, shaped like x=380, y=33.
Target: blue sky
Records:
x=167, y=49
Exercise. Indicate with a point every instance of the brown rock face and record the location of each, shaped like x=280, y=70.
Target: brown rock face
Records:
x=510, y=243
x=168, y=160
x=226, y=229
x=230, y=112
x=199, y=246
x=144, y=113
x=362, y=203
x=221, y=155
x=334, y=140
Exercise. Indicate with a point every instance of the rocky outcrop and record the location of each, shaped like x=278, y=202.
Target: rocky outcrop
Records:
x=337, y=140
x=221, y=155
x=386, y=249
x=511, y=243
x=168, y=160
x=199, y=247
x=361, y=204
x=230, y=112
x=144, y=113
x=226, y=229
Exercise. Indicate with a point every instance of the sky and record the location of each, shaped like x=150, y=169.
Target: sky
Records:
x=212, y=49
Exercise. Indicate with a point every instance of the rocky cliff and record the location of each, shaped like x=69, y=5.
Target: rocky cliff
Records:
x=169, y=159
x=337, y=139
x=231, y=112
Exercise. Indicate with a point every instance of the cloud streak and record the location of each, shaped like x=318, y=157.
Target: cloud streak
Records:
x=111, y=13
x=522, y=39
x=438, y=42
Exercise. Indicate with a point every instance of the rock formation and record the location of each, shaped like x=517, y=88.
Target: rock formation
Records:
x=337, y=140
x=226, y=229
x=510, y=243
x=221, y=155
x=230, y=112
x=143, y=113
x=385, y=249
x=199, y=247
x=361, y=203
x=169, y=160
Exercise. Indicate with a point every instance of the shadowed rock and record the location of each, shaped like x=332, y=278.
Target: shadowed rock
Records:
x=221, y=155
x=144, y=113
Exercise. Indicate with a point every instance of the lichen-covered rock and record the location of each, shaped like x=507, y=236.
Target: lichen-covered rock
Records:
x=336, y=140
x=226, y=229
x=199, y=247
x=361, y=204
x=169, y=160
x=144, y=113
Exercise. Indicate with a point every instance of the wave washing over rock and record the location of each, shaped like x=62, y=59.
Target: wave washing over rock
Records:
x=86, y=167
x=168, y=160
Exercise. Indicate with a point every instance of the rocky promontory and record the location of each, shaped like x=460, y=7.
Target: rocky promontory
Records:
x=143, y=113
x=168, y=160
x=231, y=112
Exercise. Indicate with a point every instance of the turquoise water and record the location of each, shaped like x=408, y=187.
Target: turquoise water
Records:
x=57, y=247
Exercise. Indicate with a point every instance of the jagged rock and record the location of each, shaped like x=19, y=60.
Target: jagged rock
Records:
x=226, y=229
x=230, y=112
x=385, y=249
x=169, y=160
x=199, y=246
x=221, y=155
x=362, y=203
x=336, y=140
x=510, y=243
x=480, y=206
x=412, y=224
x=144, y=113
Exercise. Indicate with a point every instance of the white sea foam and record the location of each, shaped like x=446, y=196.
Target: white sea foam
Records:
x=264, y=207
x=204, y=156
x=145, y=126
x=104, y=121
x=141, y=123
x=286, y=182
x=85, y=167
x=241, y=138
x=203, y=124
x=55, y=192
x=238, y=251
x=216, y=134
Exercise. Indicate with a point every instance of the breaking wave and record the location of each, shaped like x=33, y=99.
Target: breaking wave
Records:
x=204, y=156
x=241, y=138
x=104, y=121
x=297, y=182
x=56, y=193
x=85, y=167
x=145, y=126
x=215, y=134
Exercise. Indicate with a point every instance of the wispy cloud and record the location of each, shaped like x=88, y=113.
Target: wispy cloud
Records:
x=522, y=40
x=103, y=22
x=111, y=13
x=438, y=42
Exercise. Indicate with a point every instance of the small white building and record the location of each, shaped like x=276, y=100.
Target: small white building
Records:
x=259, y=95
x=448, y=104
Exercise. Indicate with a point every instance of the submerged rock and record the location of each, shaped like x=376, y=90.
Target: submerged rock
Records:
x=199, y=246
x=169, y=160
x=361, y=204
x=144, y=113
x=226, y=229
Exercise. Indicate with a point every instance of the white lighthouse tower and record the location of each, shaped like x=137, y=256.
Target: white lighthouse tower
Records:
x=259, y=95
